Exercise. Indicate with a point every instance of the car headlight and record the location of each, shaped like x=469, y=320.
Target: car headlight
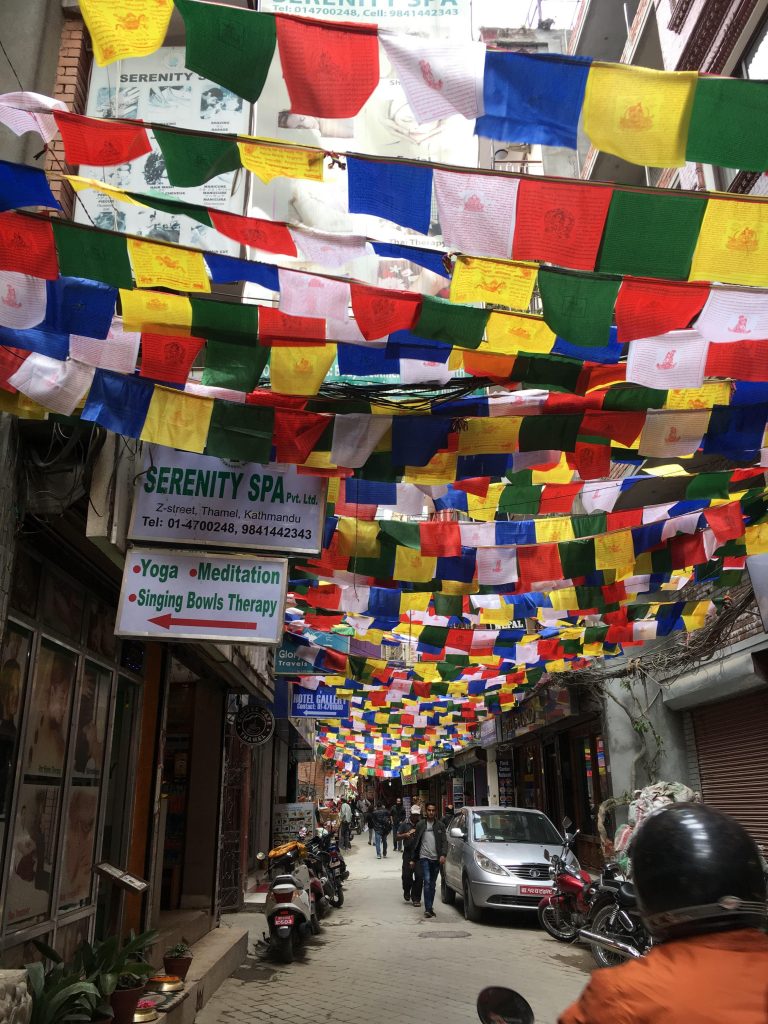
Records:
x=486, y=864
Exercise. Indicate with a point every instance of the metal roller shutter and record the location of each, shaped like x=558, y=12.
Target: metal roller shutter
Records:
x=732, y=749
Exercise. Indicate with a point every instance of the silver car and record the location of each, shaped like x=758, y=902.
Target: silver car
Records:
x=497, y=859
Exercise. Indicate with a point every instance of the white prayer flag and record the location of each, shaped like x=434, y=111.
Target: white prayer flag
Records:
x=327, y=248
x=673, y=432
x=734, y=314
x=23, y=300
x=355, y=436
x=674, y=360
x=118, y=351
x=496, y=565
x=477, y=212
x=313, y=296
x=57, y=384
x=27, y=112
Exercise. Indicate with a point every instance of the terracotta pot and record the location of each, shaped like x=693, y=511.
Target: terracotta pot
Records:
x=178, y=965
x=124, y=1001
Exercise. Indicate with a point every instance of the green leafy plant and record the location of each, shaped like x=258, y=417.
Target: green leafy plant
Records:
x=110, y=965
x=59, y=992
x=181, y=949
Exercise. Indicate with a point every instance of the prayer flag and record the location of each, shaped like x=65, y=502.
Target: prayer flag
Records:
x=312, y=296
x=100, y=143
x=441, y=539
x=330, y=70
x=733, y=314
x=168, y=358
x=447, y=321
x=300, y=370
x=277, y=328
x=355, y=436
x=47, y=343
x=240, y=432
x=647, y=308
x=225, y=269
x=504, y=284
x=534, y=98
x=578, y=307
x=398, y=192
x=237, y=363
x=508, y=335
x=259, y=234
x=477, y=212
x=327, y=248
x=75, y=306
x=560, y=223
x=496, y=566
x=297, y=433
x=639, y=114
x=27, y=247
x=23, y=300
x=412, y=567
x=166, y=266
x=674, y=360
x=416, y=439
x=269, y=160
x=229, y=46
x=155, y=311
x=118, y=403
x=431, y=259
x=192, y=160
x=380, y=311
x=59, y=385
x=24, y=186
x=23, y=112
x=130, y=28
x=10, y=360
x=672, y=433
x=177, y=420
x=651, y=235
x=725, y=521
x=538, y=563
x=118, y=351
x=729, y=123
x=614, y=550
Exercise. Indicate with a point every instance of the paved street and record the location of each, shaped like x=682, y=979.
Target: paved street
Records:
x=379, y=960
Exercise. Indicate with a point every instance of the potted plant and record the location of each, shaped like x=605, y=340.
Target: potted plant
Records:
x=119, y=972
x=177, y=959
x=59, y=993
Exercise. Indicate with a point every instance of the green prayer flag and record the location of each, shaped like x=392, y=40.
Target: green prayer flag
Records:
x=379, y=467
x=96, y=255
x=729, y=124
x=577, y=557
x=192, y=160
x=556, y=373
x=590, y=597
x=229, y=46
x=240, y=432
x=709, y=485
x=380, y=568
x=578, y=307
x=405, y=535
x=234, y=364
x=441, y=320
x=661, y=560
x=448, y=604
x=631, y=398
x=520, y=500
x=227, y=321
x=434, y=636
x=174, y=207
x=589, y=526
x=549, y=433
x=595, y=634
x=651, y=235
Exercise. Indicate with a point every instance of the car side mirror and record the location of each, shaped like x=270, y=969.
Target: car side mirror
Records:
x=456, y=833
x=496, y=1005
x=547, y=855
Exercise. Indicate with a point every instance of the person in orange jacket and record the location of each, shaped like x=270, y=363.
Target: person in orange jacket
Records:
x=701, y=889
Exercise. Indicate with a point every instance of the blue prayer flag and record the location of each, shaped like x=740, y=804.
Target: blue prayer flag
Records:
x=416, y=439
x=118, y=403
x=24, y=186
x=370, y=492
x=406, y=345
x=398, y=192
x=225, y=269
x=430, y=259
x=77, y=306
x=47, y=343
x=365, y=361
x=737, y=432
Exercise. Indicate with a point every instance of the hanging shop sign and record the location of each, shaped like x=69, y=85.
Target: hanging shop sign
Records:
x=319, y=703
x=488, y=734
x=183, y=498
x=289, y=663
x=200, y=595
x=254, y=725
x=542, y=709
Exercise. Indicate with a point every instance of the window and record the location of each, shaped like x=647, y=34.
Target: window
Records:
x=513, y=827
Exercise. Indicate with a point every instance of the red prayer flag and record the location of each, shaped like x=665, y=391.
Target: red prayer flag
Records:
x=687, y=550
x=593, y=377
x=276, y=328
x=739, y=360
x=10, y=360
x=380, y=312
x=624, y=520
x=324, y=597
x=725, y=521
x=329, y=70
x=477, y=485
x=538, y=563
x=615, y=426
x=619, y=634
x=269, y=398
x=259, y=234
x=558, y=497
x=560, y=402
x=613, y=592
x=297, y=433
x=593, y=461
x=560, y=223
x=646, y=308
x=27, y=246
x=168, y=357
x=88, y=140
x=441, y=539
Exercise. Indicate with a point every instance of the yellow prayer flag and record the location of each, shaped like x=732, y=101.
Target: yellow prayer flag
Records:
x=483, y=509
x=556, y=666
x=507, y=334
x=484, y=436
x=456, y=588
x=414, y=602
x=639, y=114
x=269, y=160
x=357, y=537
x=441, y=469
x=319, y=460
x=300, y=369
x=82, y=184
x=144, y=311
x=614, y=550
x=564, y=599
x=334, y=485
x=177, y=420
x=411, y=567
x=125, y=28
x=554, y=530
x=559, y=474
x=756, y=537
x=166, y=266
x=733, y=243
x=593, y=650
x=498, y=281
x=714, y=393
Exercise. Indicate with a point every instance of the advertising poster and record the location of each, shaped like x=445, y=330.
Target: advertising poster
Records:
x=188, y=499
x=49, y=711
x=81, y=819
x=32, y=853
x=159, y=88
x=91, y=725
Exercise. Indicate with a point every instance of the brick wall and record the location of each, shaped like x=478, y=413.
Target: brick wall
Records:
x=72, y=75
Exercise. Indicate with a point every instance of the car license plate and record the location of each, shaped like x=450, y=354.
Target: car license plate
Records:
x=534, y=890
x=283, y=919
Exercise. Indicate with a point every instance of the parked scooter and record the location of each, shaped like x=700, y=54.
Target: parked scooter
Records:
x=565, y=910
x=289, y=908
x=617, y=933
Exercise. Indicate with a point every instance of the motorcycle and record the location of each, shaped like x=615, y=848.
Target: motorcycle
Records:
x=336, y=866
x=290, y=905
x=565, y=910
x=616, y=932
x=320, y=872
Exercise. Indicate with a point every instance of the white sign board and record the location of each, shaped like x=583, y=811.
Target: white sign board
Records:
x=191, y=499
x=159, y=88
x=197, y=595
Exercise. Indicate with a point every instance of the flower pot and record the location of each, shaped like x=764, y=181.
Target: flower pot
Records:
x=124, y=1001
x=178, y=965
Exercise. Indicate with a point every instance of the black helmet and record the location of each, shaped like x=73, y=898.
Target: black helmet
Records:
x=696, y=870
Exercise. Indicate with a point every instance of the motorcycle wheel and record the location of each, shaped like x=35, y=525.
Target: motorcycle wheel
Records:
x=314, y=924
x=555, y=924
x=338, y=899
x=283, y=949
x=602, y=923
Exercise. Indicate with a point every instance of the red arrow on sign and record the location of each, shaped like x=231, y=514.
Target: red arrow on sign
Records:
x=167, y=620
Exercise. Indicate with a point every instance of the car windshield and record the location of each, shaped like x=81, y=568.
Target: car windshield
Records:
x=513, y=827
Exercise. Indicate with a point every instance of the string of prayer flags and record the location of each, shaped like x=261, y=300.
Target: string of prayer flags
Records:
x=440, y=78
x=130, y=28
x=88, y=140
x=398, y=192
x=24, y=186
x=578, y=307
x=330, y=70
x=534, y=98
x=228, y=45
x=639, y=114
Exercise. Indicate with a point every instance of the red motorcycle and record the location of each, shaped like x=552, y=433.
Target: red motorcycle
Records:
x=566, y=909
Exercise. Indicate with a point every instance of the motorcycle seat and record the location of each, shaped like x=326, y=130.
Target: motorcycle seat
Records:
x=625, y=895
x=287, y=880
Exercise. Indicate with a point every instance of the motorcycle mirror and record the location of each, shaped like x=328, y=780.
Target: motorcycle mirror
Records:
x=261, y=856
x=567, y=823
x=498, y=1005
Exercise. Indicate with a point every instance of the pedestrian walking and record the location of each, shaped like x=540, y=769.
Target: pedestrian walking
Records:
x=382, y=826
x=430, y=848
x=397, y=812
x=363, y=807
x=345, y=817
x=411, y=874
x=369, y=824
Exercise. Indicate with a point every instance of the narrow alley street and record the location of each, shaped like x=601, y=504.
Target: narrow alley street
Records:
x=377, y=959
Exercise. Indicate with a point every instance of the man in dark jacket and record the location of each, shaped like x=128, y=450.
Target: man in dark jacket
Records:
x=397, y=812
x=447, y=818
x=411, y=869
x=430, y=848
x=382, y=826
